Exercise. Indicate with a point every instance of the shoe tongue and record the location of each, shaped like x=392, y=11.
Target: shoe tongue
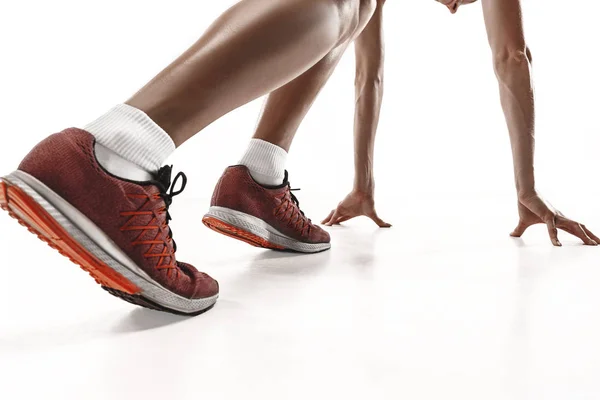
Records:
x=164, y=176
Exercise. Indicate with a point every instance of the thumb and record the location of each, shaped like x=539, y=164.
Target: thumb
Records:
x=381, y=223
x=520, y=229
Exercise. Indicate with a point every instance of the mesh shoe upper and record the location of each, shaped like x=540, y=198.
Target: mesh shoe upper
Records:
x=135, y=215
x=277, y=206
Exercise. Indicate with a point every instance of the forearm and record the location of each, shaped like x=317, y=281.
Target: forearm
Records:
x=369, y=95
x=512, y=64
x=369, y=47
x=513, y=70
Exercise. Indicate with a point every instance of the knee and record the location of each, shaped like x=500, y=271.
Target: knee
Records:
x=354, y=15
x=366, y=9
x=528, y=53
x=369, y=6
x=508, y=60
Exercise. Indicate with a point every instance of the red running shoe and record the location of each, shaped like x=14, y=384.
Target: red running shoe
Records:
x=267, y=217
x=116, y=230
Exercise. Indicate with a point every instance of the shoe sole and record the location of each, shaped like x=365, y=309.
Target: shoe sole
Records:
x=38, y=214
x=256, y=232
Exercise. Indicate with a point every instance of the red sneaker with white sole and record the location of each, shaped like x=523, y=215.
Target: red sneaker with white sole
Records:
x=267, y=217
x=117, y=230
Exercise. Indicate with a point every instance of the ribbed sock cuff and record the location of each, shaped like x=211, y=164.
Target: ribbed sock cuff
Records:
x=265, y=161
x=131, y=134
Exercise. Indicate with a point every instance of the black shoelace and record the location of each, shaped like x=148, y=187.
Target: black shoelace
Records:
x=292, y=195
x=295, y=199
x=164, y=180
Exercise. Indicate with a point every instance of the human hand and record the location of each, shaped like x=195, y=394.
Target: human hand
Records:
x=356, y=204
x=534, y=210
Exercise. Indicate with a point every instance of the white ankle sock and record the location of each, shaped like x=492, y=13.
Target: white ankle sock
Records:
x=129, y=144
x=265, y=161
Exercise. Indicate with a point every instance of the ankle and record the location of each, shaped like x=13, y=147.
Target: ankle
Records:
x=126, y=133
x=266, y=162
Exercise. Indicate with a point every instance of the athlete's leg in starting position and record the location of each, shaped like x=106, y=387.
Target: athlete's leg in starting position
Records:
x=264, y=212
x=100, y=196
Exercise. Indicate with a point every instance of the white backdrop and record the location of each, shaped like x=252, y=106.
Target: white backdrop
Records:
x=444, y=305
x=442, y=130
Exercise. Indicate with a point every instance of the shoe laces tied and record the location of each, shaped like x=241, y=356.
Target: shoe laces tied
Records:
x=167, y=194
x=300, y=221
x=295, y=199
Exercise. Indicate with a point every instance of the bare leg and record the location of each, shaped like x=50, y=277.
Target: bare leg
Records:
x=287, y=106
x=252, y=49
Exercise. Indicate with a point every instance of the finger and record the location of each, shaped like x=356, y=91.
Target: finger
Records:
x=553, y=232
x=590, y=234
x=520, y=229
x=342, y=219
x=587, y=239
x=335, y=216
x=381, y=223
x=574, y=229
x=328, y=218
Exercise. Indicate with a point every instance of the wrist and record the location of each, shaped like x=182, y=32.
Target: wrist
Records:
x=364, y=179
x=525, y=185
x=526, y=194
x=364, y=185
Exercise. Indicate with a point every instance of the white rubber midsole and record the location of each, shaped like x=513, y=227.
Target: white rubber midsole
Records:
x=260, y=228
x=94, y=240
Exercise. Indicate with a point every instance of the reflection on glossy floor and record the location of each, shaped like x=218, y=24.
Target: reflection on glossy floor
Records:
x=438, y=307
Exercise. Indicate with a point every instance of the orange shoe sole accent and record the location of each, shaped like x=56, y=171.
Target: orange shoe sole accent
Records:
x=239, y=234
x=32, y=216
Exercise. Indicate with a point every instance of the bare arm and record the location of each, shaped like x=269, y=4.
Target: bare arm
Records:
x=512, y=64
x=369, y=49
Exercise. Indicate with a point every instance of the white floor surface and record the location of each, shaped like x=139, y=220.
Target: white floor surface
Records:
x=438, y=307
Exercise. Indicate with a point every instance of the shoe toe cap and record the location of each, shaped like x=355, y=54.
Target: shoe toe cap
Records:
x=206, y=286
x=319, y=235
x=199, y=285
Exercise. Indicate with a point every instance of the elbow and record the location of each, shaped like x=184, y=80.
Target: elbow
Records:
x=511, y=62
x=369, y=80
x=369, y=88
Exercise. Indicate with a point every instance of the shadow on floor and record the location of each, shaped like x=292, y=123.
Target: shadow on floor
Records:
x=137, y=320
x=288, y=263
x=142, y=319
